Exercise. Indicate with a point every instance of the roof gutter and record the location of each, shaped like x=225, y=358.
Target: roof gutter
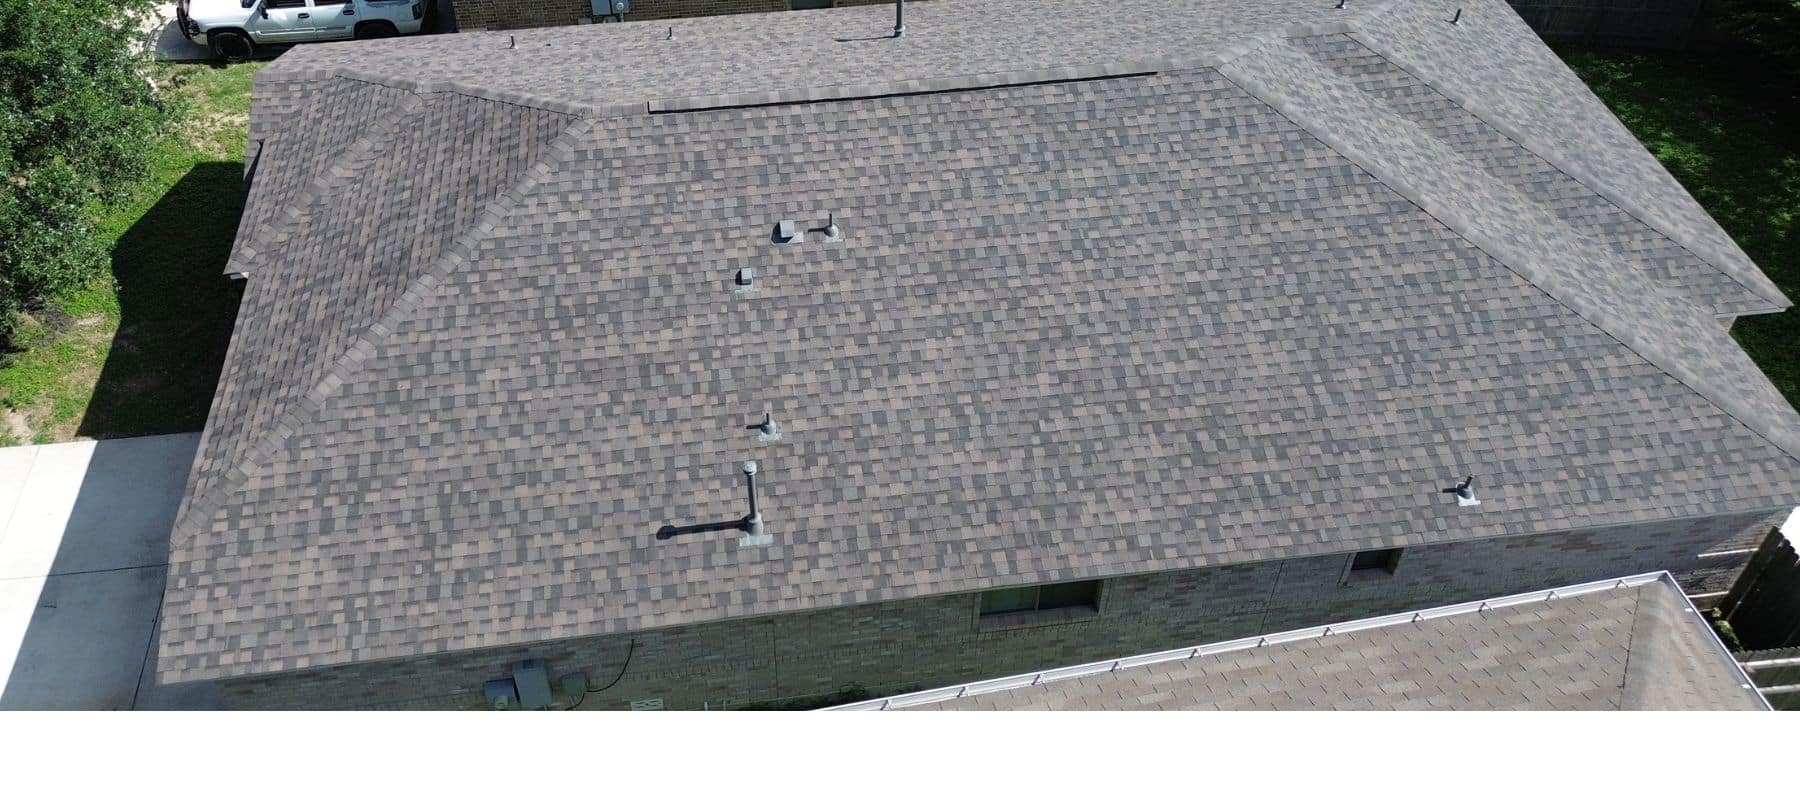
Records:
x=930, y=696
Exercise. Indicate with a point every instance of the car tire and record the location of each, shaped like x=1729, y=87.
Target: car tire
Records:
x=376, y=30
x=230, y=45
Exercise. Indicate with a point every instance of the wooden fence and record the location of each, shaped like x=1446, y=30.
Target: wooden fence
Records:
x=1776, y=674
x=1763, y=607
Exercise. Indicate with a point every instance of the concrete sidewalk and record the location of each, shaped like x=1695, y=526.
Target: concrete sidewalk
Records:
x=84, y=542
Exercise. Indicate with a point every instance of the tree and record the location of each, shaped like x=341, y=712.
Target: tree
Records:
x=78, y=118
x=1771, y=26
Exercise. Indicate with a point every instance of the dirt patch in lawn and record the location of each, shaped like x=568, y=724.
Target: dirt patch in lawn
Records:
x=14, y=429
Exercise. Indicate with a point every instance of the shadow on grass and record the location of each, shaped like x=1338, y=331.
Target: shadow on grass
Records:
x=1727, y=125
x=176, y=309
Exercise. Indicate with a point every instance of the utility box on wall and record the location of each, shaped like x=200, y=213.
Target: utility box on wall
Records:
x=610, y=8
x=533, y=682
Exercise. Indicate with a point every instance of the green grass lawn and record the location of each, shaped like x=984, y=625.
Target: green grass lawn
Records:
x=138, y=351
x=1731, y=135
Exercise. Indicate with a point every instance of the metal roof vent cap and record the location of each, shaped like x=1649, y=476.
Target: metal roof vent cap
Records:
x=767, y=430
x=786, y=232
x=746, y=278
x=1464, y=491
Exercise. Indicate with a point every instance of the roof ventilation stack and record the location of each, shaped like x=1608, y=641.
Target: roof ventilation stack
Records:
x=1465, y=494
x=767, y=430
x=753, y=524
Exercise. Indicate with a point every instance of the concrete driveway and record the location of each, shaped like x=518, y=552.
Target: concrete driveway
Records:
x=84, y=546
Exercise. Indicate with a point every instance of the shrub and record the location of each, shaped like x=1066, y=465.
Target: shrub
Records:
x=78, y=118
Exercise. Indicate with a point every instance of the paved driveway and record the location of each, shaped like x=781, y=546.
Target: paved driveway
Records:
x=84, y=543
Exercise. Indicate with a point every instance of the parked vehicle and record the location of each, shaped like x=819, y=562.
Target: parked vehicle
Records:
x=234, y=29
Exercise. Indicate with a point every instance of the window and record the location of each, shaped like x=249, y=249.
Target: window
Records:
x=803, y=5
x=1050, y=597
x=1375, y=561
x=285, y=4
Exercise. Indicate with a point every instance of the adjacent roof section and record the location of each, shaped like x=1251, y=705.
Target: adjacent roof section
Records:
x=1143, y=319
x=1628, y=644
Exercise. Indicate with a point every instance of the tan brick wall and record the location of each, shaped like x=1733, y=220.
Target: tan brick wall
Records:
x=887, y=647
x=472, y=15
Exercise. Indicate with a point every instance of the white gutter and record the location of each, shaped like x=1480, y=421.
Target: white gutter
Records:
x=1251, y=642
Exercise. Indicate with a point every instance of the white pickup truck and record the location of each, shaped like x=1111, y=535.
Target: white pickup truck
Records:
x=233, y=29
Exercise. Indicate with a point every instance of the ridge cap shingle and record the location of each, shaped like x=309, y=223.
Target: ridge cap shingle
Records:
x=1777, y=422
x=201, y=509
x=1713, y=246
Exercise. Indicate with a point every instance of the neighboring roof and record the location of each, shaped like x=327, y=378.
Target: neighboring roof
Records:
x=1626, y=644
x=1237, y=309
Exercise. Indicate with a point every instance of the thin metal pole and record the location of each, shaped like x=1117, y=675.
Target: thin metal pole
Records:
x=899, y=18
x=750, y=479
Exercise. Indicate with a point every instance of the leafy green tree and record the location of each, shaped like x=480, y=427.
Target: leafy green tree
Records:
x=78, y=118
x=1770, y=26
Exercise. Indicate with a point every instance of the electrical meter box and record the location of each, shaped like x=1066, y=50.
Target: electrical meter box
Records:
x=501, y=696
x=608, y=8
x=533, y=681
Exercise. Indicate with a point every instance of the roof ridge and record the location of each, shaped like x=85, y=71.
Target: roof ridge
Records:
x=846, y=91
x=1679, y=311
x=365, y=344
x=446, y=86
x=1557, y=159
x=245, y=255
x=1712, y=253
x=1637, y=609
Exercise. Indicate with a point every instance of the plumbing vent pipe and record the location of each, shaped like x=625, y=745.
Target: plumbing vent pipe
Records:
x=754, y=534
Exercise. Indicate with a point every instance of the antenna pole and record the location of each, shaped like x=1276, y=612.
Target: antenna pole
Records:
x=899, y=18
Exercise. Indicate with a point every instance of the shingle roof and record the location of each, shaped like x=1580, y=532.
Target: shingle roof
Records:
x=1635, y=644
x=1240, y=308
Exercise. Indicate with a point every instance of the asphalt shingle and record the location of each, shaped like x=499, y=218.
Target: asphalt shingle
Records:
x=1628, y=648
x=1075, y=329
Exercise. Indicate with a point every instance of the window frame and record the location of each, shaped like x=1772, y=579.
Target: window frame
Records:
x=1037, y=614
x=1388, y=568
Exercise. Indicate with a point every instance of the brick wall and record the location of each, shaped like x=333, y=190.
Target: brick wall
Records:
x=474, y=15
x=888, y=647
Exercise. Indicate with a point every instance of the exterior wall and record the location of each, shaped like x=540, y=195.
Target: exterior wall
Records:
x=884, y=648
x=475, y=15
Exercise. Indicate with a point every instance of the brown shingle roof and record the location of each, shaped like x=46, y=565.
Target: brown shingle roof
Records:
x=1077, y=328
x=1633, y=646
